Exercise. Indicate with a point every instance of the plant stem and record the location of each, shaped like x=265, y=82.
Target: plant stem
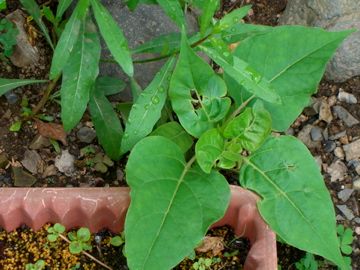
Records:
x=42, y=102
x=148, y=60
x=241, y=107
x=86, y=253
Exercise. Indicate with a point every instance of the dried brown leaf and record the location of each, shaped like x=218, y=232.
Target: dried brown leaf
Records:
x=211, y=243
x=52, y=131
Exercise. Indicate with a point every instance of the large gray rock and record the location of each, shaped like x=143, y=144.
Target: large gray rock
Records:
x=333, y=15
x=139, y=26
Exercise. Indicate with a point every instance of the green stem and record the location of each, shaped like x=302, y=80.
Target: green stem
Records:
x=148, y=60
x=51, y=86
x=241, y=107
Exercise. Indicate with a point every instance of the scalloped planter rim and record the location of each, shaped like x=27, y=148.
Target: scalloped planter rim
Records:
x=98, y=208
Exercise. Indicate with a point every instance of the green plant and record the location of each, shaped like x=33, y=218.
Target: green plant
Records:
x=307, y=263
x=38, y=265
x=346, y=238
x=202, y=264
x=177, y=188
x=8, y=33
x=78, y=241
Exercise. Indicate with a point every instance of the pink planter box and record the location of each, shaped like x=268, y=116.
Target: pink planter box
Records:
x=98, y=208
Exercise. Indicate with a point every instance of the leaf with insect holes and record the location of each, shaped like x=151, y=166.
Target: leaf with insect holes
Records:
x=146, y=111
x=166, y=188
x=251, y=127
x=68, y=39
x=175, y=132
x=197, y=94
x=113, y=36
x=80, y=74
x=9, y=84
x=34, y=10
x=51, y=131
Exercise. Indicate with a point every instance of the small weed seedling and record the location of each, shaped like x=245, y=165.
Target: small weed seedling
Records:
x=307, y=263
x=78, y=241
x=38, y=265
x=346, y=238
x=202, y=264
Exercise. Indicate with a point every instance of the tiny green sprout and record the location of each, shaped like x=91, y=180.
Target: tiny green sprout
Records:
x=55, y=231
x=79, y=241
x=76, y=266
x=87, y=150
x=202, y=264
x=117, y=241
x=56, y=146
x=307, y=263
x=39, y=265
x=16, y=126
x=345, y=238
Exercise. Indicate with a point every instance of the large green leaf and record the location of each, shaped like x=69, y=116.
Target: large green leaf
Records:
x=107, y=124
x=8, y=84
x=293, y=66
x=62, y=7
x=113, y=36
x=68, y=39
x=146, y=111
x=33, y=9
x=197, y=93
x=79, y=74
x=245, y=75
x=250, y=128
x=172, y=204
x=173, y=9
x=240, y=31
x=163, y=44
x=175, y=132
x=295, y=201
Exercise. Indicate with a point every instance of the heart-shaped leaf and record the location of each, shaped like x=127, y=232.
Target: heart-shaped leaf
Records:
x=172, y=204
x=197, y=94
x=295, y=201
x=293, y=66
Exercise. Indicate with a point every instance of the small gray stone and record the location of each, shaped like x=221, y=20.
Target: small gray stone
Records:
x=348, y=214
x=352, y=150
x=119, y=175
x=304, y=136
x=329, y=146
x=345, y=194
x=11, y=97
x=356, y=184
x=337, y=171
x=32, y=162
x=86, y=134
x=346, y=97
x=65, y=163
x=357, y=220
x=339, y=153
x=340, y=218
x=325, y=111
x=39, y=142
x=345, y=116
x=337, y=135
x=316, y=134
